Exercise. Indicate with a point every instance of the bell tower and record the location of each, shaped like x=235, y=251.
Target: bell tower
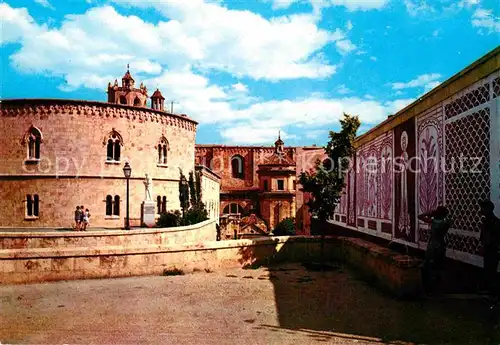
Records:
x=127, y=94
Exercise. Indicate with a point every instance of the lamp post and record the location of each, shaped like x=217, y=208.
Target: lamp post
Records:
x=127, y=171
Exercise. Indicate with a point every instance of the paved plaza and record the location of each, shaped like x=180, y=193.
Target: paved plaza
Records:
x=286, y=304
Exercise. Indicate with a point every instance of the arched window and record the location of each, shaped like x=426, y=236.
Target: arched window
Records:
x=162, y=148
x=116, y=206
x=35, y=205
x=164, y=204
x=29, y=205
x=238, y=167
x=109, y=205
x=33, y=139
x=113, y=143
x=158, y=204
x=137, y=102
x=226, y=210
x=123, y=100
x=32, y=205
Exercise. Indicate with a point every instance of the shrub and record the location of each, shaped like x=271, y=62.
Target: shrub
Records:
x=196, y=214
x=169, y=219
x=285, y=228
x=173, y=272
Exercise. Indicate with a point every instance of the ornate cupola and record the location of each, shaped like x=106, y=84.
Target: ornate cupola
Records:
x=157, y=100
x=127, y=94
x=127, y=80
x=279, y=144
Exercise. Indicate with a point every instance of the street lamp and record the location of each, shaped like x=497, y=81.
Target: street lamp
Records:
x=127, y=171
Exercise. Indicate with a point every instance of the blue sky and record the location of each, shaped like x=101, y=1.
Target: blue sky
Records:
x=246, y=69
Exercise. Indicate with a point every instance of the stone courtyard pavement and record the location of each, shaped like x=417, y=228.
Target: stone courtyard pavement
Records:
x=281, y=305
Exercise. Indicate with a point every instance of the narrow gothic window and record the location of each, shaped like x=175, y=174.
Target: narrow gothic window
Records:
x=35, y=205
x=162, y=151
x=116, y=206
x=113, y=147
x=158, y=204
x=109, y=205
x=281, y=185
x=32, y=205
x=266, y=187
x=33, y=142
x=137, y=102
x=29, y=205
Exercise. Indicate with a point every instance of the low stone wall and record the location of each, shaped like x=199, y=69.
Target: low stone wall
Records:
x=399, y=274
x=205, y=231
x=49, y=264
x=134, y=256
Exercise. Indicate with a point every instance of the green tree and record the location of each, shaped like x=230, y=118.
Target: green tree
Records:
x=326, y=183
x=198, y=186
x=192, y=189
x=183, y=193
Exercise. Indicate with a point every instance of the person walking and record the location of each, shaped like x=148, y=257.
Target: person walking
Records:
x=490, y=241
x=77, y=218
x=86, y=219
x=436, y=248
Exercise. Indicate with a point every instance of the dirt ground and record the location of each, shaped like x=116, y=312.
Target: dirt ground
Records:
x=286, y=304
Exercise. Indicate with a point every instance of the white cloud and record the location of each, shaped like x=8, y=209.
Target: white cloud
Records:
x=265, y=118
x=349, y=25
x=253, y=135
x=239, y=87
x=373, y=58
x=421, y=81
x=351, y=5
x=16, y=24
x=485, y=19
x=208, y=37
x=432, y=85
x=418, y=7
x=345, y=46
x=44, y=3
x=342, y=89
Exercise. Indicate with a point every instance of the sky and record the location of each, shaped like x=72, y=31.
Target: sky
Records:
x=246, y=69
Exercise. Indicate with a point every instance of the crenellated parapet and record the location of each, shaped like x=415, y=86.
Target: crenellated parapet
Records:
x=46, y=107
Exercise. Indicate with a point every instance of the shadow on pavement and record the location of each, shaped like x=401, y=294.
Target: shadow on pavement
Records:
x=334, y=303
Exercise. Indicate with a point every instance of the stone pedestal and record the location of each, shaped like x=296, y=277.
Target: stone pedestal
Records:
x=148, y=213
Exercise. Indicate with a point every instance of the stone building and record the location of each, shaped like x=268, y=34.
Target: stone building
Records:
x=259, y=181
x=57, y=154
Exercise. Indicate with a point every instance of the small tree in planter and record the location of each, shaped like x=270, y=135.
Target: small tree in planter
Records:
x=328, y=180
x=285, y=228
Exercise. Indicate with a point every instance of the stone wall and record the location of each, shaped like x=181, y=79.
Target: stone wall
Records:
x=73, y=168
x=137, y=238
x=443, y=149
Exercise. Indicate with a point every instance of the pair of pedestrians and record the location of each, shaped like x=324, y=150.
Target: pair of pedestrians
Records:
x=436, y=248
x=82, y=218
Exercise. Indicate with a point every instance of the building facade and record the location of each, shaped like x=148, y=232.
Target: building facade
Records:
x=259, y=185
x=443, y=149
x=58, y=154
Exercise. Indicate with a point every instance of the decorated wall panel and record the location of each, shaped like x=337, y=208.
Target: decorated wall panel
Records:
x=447, y=155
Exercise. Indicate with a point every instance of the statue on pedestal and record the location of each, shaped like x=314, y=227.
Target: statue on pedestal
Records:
x=148, y=184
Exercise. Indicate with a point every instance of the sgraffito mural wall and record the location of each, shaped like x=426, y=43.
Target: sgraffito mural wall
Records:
x=448, y=154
